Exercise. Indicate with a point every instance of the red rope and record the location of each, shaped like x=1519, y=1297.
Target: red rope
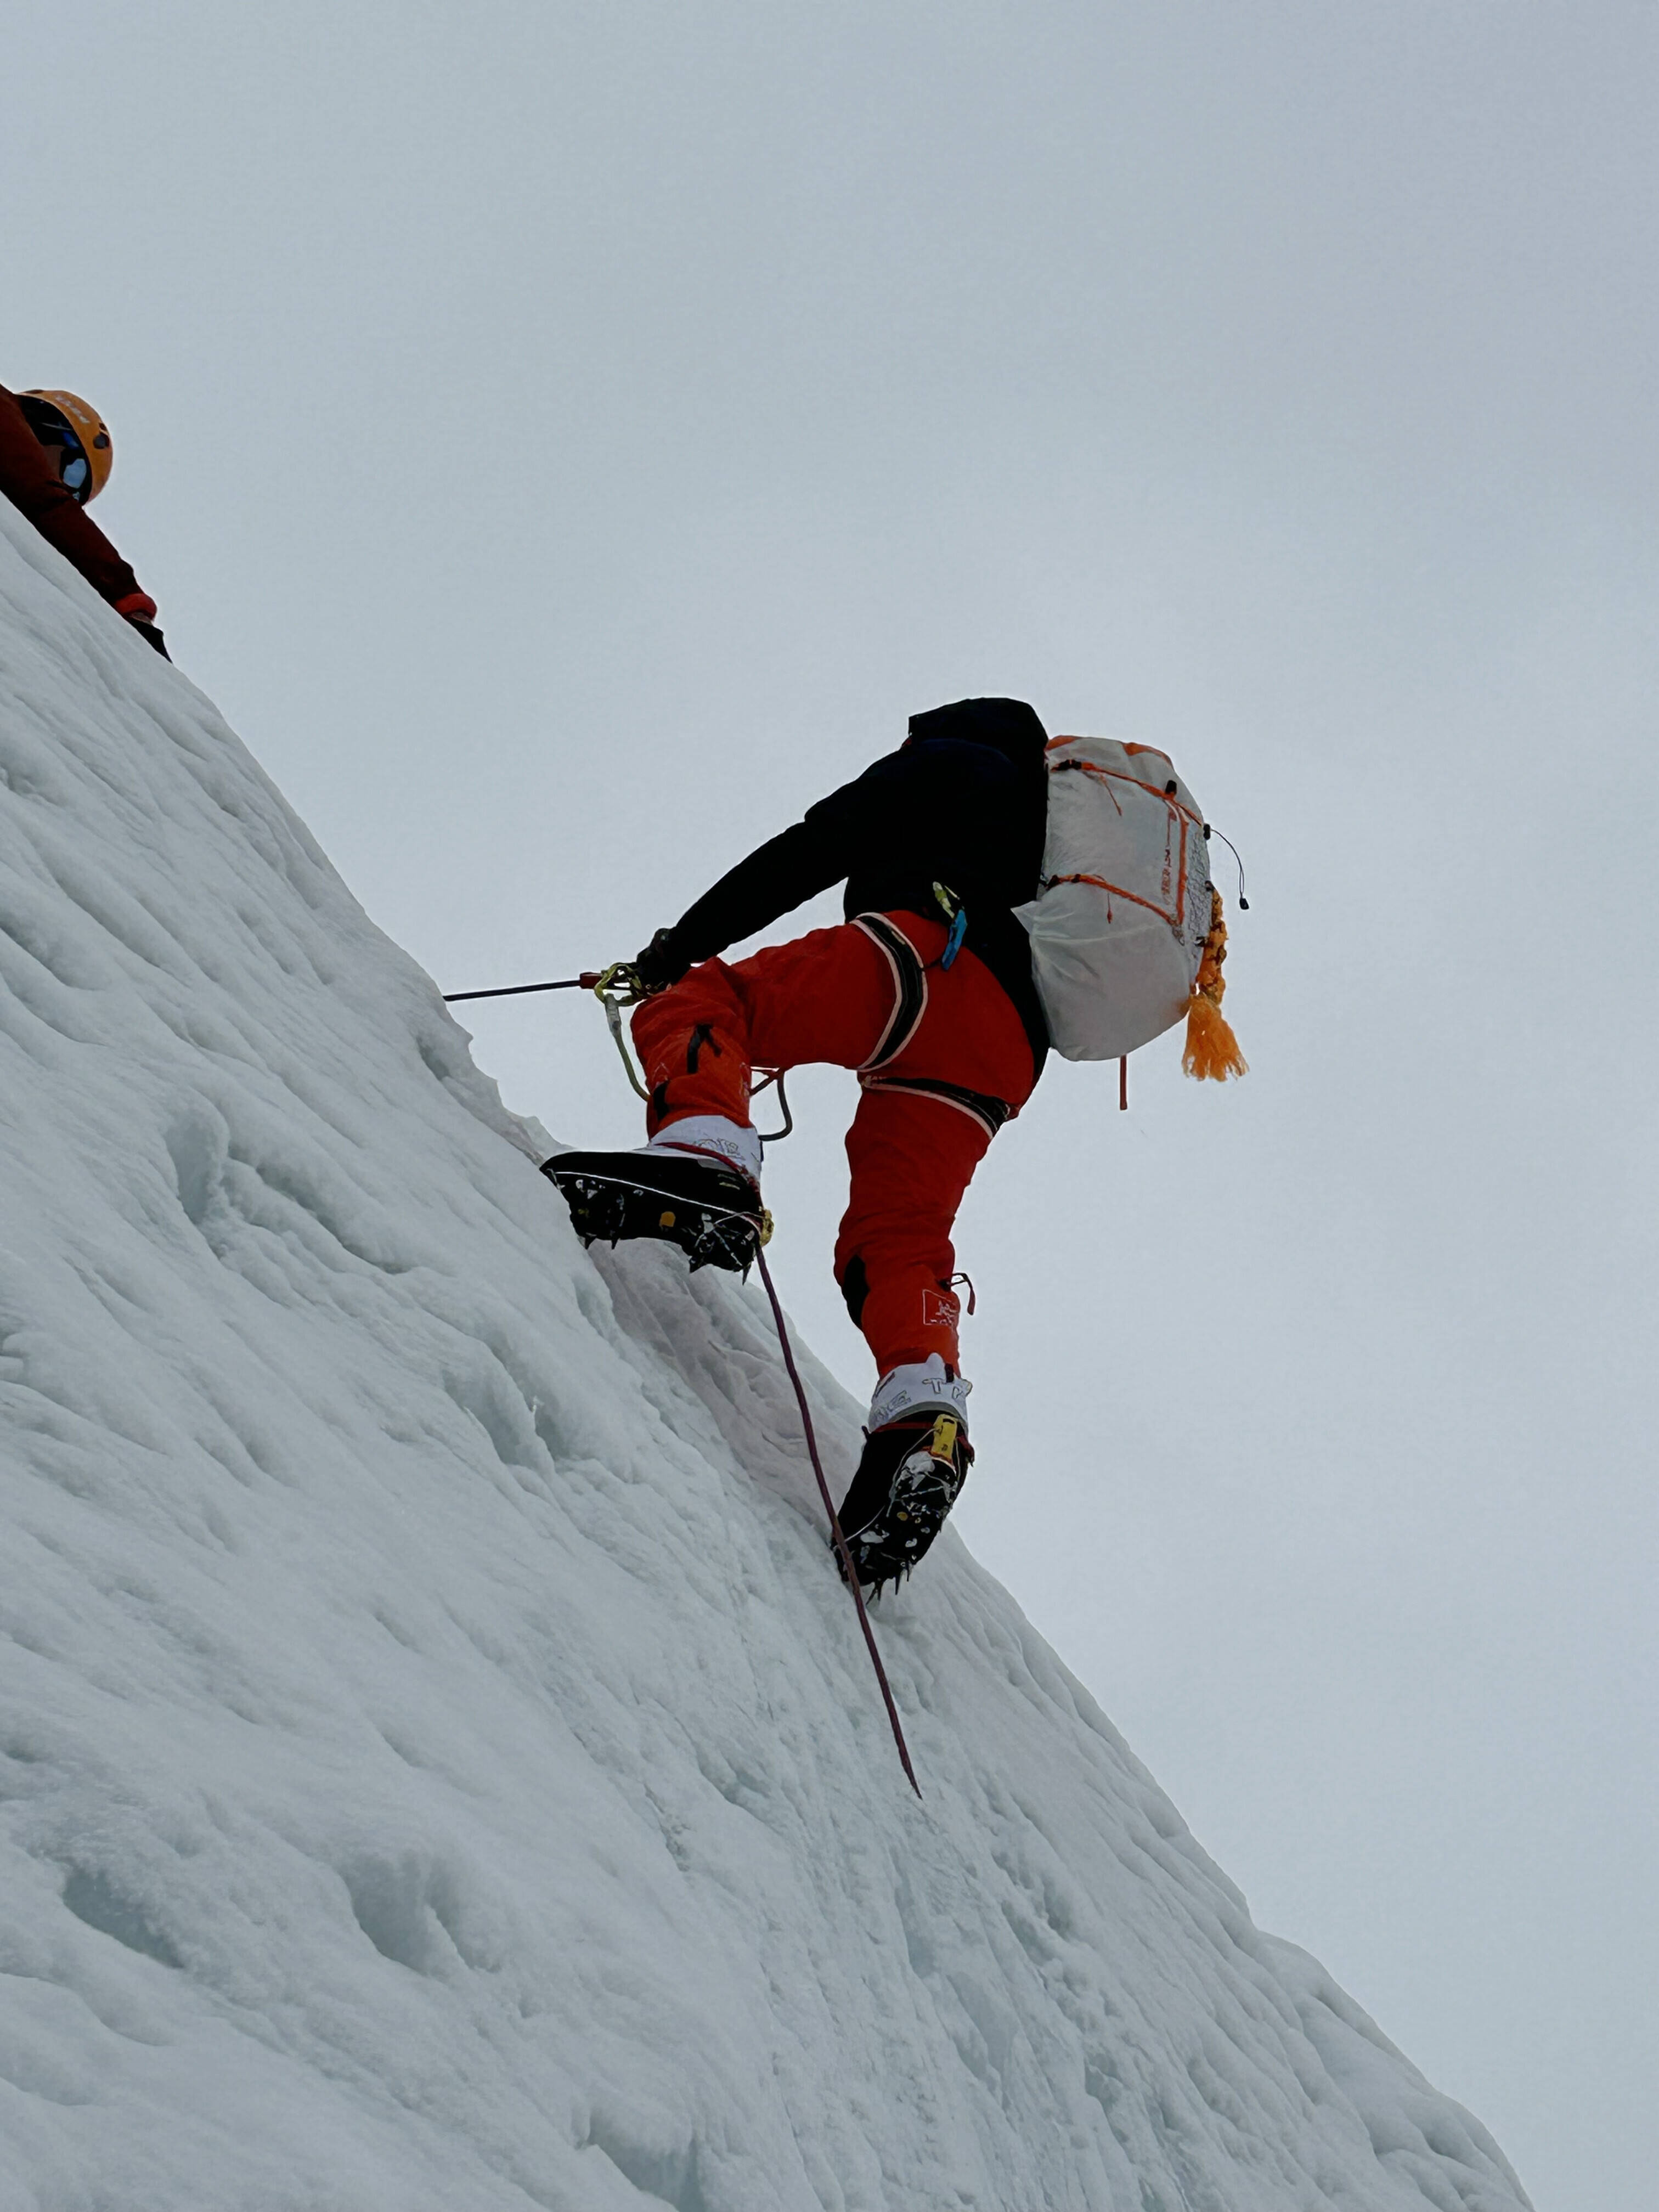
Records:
x=835, y=1525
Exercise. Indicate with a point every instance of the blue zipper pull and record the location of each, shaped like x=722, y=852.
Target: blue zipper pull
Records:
x=953, y=942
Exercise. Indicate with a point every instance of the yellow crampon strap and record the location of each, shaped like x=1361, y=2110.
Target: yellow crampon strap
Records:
x=1212, y=1048
x=943, y=1443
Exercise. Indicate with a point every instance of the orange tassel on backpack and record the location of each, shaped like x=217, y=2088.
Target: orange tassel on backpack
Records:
x=1212, y=1048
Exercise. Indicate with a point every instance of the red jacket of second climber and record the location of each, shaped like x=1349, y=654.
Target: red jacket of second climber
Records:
x=31, y=484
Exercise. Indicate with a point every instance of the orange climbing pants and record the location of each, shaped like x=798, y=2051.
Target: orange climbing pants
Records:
x=943, y=1061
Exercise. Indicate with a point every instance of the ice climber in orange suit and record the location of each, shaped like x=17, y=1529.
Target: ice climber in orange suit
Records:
x=55, y=455
x=927, y=990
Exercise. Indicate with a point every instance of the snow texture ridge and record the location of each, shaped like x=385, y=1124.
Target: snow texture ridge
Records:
x=439, y=1768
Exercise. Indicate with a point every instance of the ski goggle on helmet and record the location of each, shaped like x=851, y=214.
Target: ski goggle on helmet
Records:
x=64, y=419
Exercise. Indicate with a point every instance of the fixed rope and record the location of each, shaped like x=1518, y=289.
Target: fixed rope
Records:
x=835, y=1525
x=617, y=986
x=519, y=990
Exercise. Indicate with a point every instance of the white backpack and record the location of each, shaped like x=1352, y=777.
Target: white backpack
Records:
x=1118, y=926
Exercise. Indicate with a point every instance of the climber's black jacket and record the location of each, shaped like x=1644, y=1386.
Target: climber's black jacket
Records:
x=962, y=803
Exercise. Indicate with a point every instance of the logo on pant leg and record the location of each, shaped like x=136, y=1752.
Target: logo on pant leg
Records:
x=939, y=1310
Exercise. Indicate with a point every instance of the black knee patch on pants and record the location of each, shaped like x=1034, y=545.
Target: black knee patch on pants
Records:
x=855, y=1287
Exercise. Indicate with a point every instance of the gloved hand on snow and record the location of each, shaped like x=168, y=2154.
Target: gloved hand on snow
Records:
x=139, y=609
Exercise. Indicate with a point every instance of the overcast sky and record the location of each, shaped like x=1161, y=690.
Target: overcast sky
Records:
x=567, y=439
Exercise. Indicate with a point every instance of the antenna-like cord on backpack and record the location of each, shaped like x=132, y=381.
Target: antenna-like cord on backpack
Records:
x=1210, y=831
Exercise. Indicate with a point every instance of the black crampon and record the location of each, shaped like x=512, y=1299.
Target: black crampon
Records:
x=910, y=1476
x=708, y=1209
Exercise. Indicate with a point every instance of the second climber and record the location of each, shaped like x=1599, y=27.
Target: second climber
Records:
x=55, y=458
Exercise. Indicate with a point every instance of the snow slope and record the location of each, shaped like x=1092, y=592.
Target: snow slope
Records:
x=438, y=1763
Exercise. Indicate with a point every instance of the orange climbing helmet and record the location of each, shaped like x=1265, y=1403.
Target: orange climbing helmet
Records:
x=63, y=418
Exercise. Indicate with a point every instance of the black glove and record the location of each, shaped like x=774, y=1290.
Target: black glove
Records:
x=150, y=634
x=660, y=963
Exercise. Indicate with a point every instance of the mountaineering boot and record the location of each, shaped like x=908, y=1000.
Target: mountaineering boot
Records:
x=700, y=1193
x=916, y=1458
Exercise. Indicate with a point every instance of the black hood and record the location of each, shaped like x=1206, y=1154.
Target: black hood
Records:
x=1008, y=724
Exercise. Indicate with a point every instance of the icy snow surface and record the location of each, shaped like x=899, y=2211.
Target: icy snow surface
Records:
x=438, y=1763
